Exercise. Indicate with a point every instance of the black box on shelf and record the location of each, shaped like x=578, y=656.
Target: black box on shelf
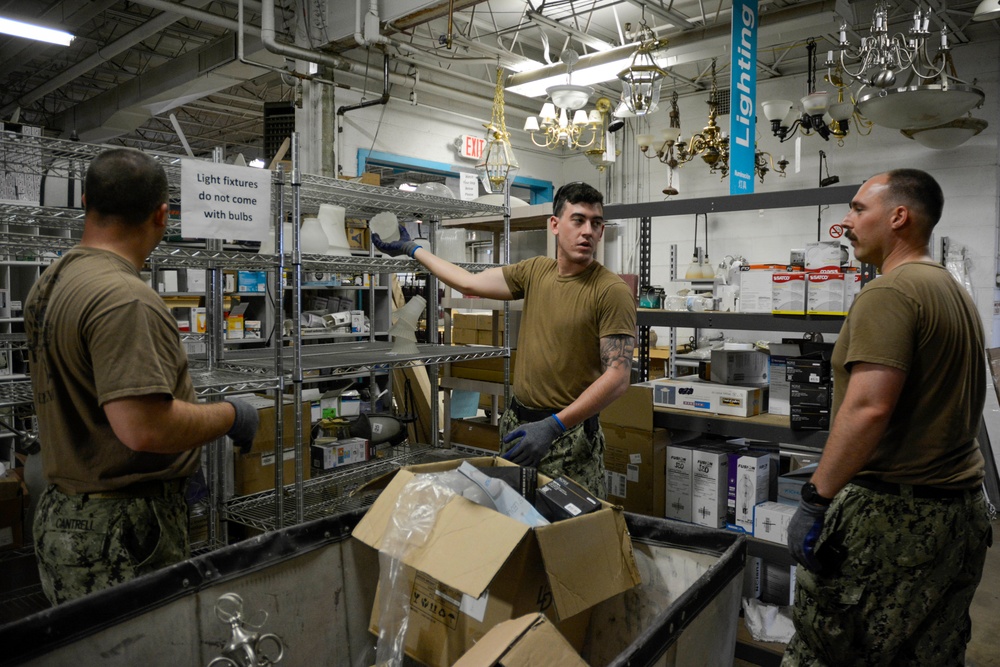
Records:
x=524, y=480
x=562, y=498
x=809, y=419
x=808, y=370
x=804, y=394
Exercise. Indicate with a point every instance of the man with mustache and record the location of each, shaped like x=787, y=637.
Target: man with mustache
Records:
x=892, y=530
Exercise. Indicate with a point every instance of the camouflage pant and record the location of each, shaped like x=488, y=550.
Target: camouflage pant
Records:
x=575, y=454
x=84, y=544
x=903, y=591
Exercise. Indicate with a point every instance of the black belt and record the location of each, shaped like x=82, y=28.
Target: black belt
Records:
x=153, y=488
x=526, y=414
x=926, y=492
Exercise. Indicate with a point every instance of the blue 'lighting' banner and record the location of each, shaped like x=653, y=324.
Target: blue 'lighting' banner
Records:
x=743, y=97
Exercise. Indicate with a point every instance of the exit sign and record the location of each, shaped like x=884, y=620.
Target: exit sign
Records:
x=471, y=147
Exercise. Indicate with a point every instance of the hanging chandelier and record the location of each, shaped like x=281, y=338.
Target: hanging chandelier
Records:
x=563, y=121
x=813, y=111
x=882, y=59
x=498, y=163
x=643, y=78
x=602, y=154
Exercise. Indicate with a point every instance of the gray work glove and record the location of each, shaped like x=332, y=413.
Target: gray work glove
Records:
x=244, y=427
x=401, y=246
x=803, y=531
x=536, y=440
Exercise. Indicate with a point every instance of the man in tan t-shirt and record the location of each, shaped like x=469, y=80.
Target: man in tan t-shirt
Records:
x=119, y=428
x=577, y=334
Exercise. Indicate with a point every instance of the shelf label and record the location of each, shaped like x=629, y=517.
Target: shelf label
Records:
x=223, y=201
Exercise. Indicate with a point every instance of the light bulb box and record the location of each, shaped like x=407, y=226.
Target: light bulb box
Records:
x=823, y=255
x=699, y=396
x=790, y=484
x=826, y=293
x=749, y=479
x=755, y=287
x=329, y=453
x=779, y=388
x=709, y=486
x=770, y=521
x=680, y=477
x=234, y=321
x=748, y=368
x=788, y=293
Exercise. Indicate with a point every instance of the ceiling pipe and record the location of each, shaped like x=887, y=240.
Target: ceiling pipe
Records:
x=199, y=15
x=268, y=35
x=384, y=99
x=104, y=54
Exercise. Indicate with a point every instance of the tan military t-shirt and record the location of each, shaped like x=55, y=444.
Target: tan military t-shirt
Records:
x=917, y=318
x=97, y=332
x=563, y=321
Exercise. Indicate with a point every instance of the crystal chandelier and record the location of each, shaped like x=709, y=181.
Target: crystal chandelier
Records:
x=643, y=78
x=498, y=163
x=562, y=121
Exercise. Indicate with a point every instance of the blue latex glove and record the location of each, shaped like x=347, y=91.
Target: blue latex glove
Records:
x=244, y=427
x=401, y=246
x=536, y=439
x=803, y=531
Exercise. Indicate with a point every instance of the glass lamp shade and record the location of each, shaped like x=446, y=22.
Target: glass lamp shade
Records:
x=815, y=104
x=498, y=165
x=548, y=113
x=841, y=111
x=777, y=109
x=670, y=133
x=919, y=107
x=580, y=117
x=947, y=135
x=569, y=96
x=531, y=124
x=644, y=140
x=987, y=11
x=622, y=110
x=640, y=91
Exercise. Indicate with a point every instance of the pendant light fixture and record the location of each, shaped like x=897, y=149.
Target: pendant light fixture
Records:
x=498, y=163
x=643, y=78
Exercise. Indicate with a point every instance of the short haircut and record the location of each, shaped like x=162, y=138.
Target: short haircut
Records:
x=919, y=192
x=126, y=184
x=576, y=193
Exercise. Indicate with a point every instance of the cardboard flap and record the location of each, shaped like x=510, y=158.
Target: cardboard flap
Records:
x=633, y=409
x=528, y=641
x=590, y=563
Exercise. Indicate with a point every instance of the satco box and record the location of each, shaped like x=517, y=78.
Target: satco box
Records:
x=635, y=453
x=779, y=389
x=700, y=396
x=827, y=294
x=679, y=482
x=749, y=479
x=788, y=293
x=790, y=484
x=478, y=568
x=755, y=287
x=770, y=521
x=710, y=483
x=528, y=641
x=747, y=368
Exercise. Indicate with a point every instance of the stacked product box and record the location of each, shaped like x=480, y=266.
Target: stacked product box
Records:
x=810, y=393
x=329, y=453
x=710, y=483
x=788, y=293
x=755, y=287
x=778, y=389
x=749, y=483
x=699, y=396
x=680, y=478
x=770, y=521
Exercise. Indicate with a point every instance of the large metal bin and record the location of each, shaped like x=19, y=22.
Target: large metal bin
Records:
x=317, y=586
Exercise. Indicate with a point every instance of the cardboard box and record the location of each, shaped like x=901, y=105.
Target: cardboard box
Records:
x=486, y=338
x=700, y=396
x=528, y=641
x=13, y=501
x=563, y=499
x=755, y=288
x=779, y=389
x=709, y=486
x=680, y=478
x=635, y=453
x=478, y=568
x=251, y=329
x=749, y=479
x=770, y=521
x=251, y=281
x=254, y=472
x=329, y=453
x=234, y=322
x=464, y=336
x=788, y=293
x=746, y=368
x=827, y=294
x=476, y=433
x=488, y=370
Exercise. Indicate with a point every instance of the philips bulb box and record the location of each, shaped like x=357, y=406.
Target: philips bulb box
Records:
x=562, y=498
x=788, y=293
x=680, y=478
x=770, y=521
x=749, y=479
x=710, y=483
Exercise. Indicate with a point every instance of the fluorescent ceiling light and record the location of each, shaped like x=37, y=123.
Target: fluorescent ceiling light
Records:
x=38, y=33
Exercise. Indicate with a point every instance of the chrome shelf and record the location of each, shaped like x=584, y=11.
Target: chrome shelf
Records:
x=739, y=321
x=344, y=359
x=15, y=392
x=53, y=217
x=221, y=381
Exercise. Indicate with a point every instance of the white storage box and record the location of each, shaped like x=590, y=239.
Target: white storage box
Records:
x=679, y=481
x=700, y=396
x=770, y=521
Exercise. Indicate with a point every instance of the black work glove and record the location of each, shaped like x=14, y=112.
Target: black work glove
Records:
x=244, y=427
x=803, y=531
x=401, y=246
x=536, y=440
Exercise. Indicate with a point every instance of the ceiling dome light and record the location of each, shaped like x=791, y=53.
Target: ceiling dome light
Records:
x=917, y=107
x=947, y=135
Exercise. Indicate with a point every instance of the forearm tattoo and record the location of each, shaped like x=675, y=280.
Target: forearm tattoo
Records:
x=616, y=352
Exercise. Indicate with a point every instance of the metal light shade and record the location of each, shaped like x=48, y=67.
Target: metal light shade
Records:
x=570, y=97
x=987, y=11
x=918, y=107
x=947, y=135
x=777, y=109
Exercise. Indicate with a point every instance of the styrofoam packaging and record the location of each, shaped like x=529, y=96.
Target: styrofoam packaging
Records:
x=749, y=477
x=822, y=255
x=770, y=521
x=755, y=288
x=826, y=294
x=788, y=292
x=679, y=482
x=710, y=479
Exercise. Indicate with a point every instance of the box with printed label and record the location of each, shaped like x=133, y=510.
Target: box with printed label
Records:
x=747, y=368
x=701, y=396
x=755, y=287
x=823, y=255
x=805, y=369
x=680, y=478
x=827, y=294
x=234, y=321
x=807, y=394
x=710, y=484
x=478, y=567
x=749, y=478
x=779, y=389
x=254, y=472
x=788, y=293
x=635, y=455
x=809, y=418
x=770, y=521
x=562, y=499
x=328, y=453
x=790, y=484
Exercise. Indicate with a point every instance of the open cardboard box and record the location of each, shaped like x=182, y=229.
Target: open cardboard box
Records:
x=528, y=641
x=635, y=455
x=478, y=568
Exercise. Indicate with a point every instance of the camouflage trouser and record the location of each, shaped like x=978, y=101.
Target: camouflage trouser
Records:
x=84, y=544
x=574, y=454
x=902, y=593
